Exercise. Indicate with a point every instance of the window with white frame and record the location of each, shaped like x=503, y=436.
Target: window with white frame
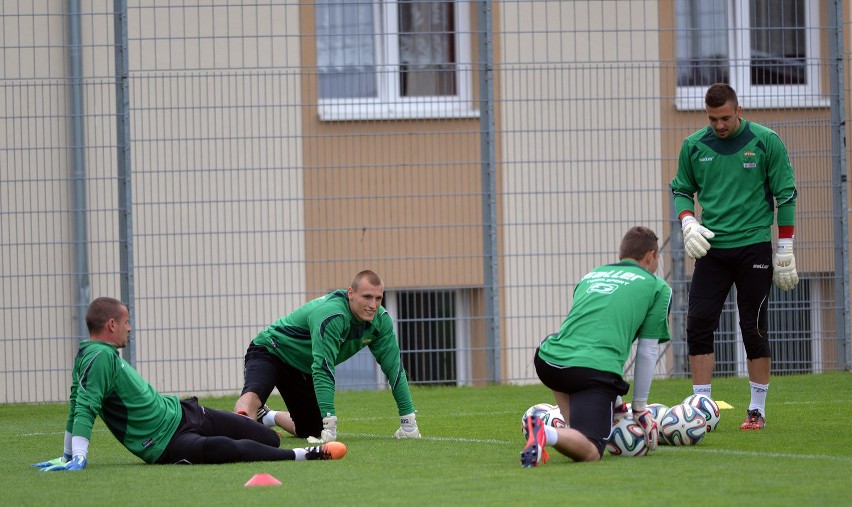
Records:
x=385, y=59
x=766, y=49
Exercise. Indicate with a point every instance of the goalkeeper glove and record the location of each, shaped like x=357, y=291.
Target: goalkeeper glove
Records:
x=695, y=237
x=407, y=427
x=620, y=411
x=55, y=461
x=78, y=462
x=784, y=265
x=645, y=419
x=329, y=429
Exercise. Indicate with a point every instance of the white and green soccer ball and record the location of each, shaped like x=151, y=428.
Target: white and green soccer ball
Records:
x=707, y=407
x=683, y=425
x=627, y=439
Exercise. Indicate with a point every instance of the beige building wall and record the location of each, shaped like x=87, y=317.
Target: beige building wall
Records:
x=399, y=196
x=220, y=148
x=217, y=189
x=599, y=153
x=233, y=185
x=38, y=237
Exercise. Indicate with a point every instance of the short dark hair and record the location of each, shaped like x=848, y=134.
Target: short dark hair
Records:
x=637, y=242
x=720, y=94
x=372, y=279
x=101, y=310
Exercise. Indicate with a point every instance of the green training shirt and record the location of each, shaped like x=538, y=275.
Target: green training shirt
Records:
x=104, y=384
x=739, y=181
x=323, y=333
x=613, y=305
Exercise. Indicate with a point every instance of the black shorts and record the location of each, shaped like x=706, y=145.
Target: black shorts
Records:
x=591, y=394
x=265, y=371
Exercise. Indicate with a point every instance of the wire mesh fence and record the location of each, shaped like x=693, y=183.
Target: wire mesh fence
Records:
x=217, y=164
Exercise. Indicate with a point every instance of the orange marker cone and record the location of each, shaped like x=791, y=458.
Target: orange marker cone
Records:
x=263, y=480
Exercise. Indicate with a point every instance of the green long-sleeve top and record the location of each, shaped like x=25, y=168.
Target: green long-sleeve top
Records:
x=323, y=333
x=739, y=181
x=614, y=305
x=103, y=384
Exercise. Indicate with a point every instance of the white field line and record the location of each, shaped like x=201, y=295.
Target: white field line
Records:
x=54, y=433
x=843, y=459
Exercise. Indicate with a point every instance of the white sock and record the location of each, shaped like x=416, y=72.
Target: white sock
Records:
x=704, y=389
x=758, y=397
x=269, y=419
x=618, y=400
x=550, y=435
x=300, y=453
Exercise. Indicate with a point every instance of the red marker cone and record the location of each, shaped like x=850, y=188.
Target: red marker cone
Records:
x=263, y=480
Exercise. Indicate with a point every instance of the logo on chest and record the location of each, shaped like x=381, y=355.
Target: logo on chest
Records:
x=749, y=160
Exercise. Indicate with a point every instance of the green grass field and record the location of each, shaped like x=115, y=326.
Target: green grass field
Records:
x=469, y=455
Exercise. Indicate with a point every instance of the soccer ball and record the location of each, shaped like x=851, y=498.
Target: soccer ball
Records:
x=683, y=425
x=707, y=407
x=549, y=414
x=627, y=439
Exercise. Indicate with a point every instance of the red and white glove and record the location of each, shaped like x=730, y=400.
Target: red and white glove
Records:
x=645, y=419
x=695, y=237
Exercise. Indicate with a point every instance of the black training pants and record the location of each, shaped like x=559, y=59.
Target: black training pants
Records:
x=211, y=436
x=749, y=268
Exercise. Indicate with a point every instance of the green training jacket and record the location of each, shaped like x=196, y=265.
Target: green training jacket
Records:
x=739, y=182
x=323, y=333
x=105, y=385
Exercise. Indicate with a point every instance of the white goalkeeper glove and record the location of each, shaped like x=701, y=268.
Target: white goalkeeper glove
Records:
x=329, y=429
x=407, y=427
x=645, y=419
x=784, y=265
x=695, y=237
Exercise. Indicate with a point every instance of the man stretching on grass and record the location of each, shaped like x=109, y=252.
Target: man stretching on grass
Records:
x=299, y=352
x=157, y=428
x=614, y=305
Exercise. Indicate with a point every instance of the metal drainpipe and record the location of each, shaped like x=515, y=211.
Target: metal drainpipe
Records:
x=78, y=167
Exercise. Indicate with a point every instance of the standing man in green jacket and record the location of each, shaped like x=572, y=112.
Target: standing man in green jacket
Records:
x=298, y=354
x=156, y=428
x=741, y=173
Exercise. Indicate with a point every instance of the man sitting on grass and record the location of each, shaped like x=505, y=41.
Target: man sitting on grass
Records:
x=156, y=428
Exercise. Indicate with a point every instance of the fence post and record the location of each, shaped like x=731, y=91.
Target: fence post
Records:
x=489, y=190
x=838, y=179
x=78, y=168
x=680, y=365
x=125, y=199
